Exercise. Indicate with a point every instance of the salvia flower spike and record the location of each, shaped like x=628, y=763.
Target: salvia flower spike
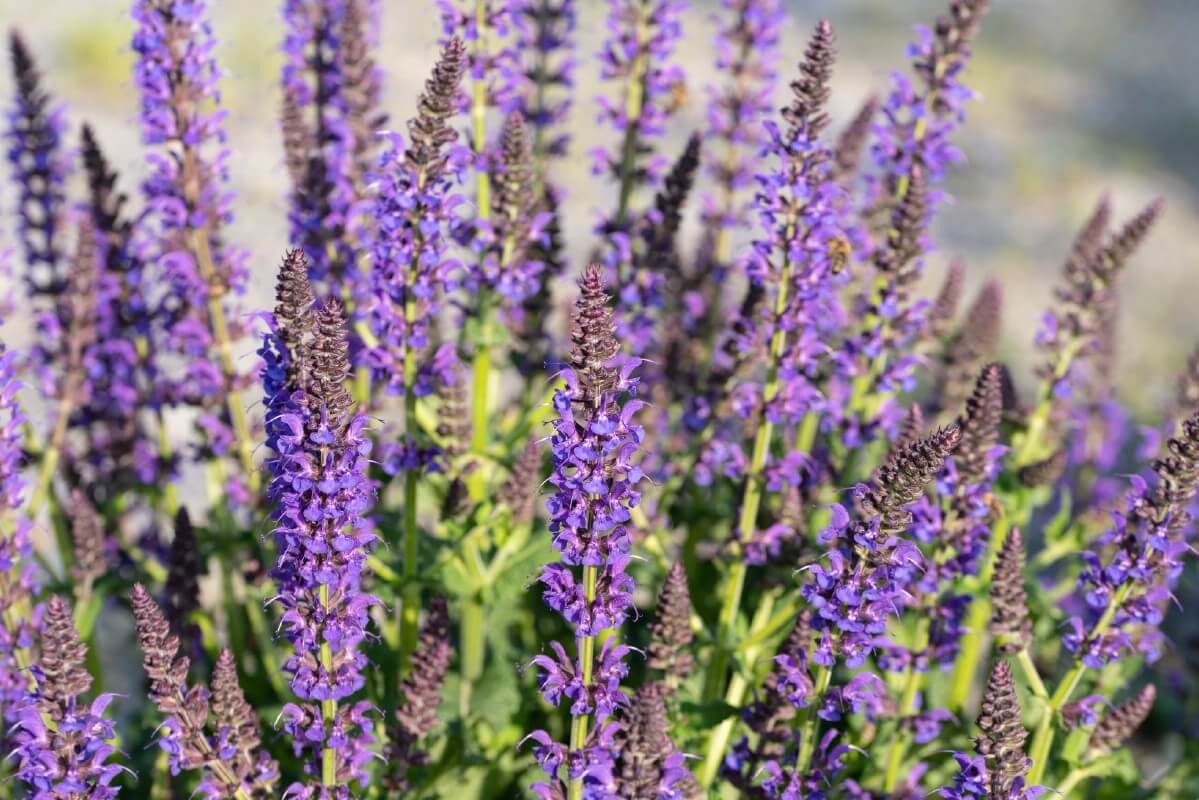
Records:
x=1010, y=623
x=1122, y=722
x=191, y=205
x=64, y=744
x=595, y=478
x=835, y=453
x=37, y=153
x=322, y=538
x=19, y=610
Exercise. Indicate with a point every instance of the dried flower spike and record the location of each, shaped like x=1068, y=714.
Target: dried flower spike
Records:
x=1122, y=722
x=1001, y=733
x=670, y=631
x=1009, y=602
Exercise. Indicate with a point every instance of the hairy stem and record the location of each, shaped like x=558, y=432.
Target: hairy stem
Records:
x=578, y=729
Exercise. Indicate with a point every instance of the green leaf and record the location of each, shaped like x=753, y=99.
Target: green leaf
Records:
x=707, y=715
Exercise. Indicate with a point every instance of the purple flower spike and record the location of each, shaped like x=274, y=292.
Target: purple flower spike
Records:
x=1133, y=566
x=189, y=202
x=331, y=94
x=545, y=41
x=595, y=478
x=19, y=617
x=747, y=55
x=63, y=743
x=322, y=537
x=642, y=37
x=36, y=152
x=413, y=211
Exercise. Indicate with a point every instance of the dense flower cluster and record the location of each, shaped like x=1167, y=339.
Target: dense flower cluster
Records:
x=545, y=38
x=595, y=478
x=1128, y=575
x=18, y=585
x=188, y=204
x=322, y=494
x=331, y=91
x=64, y=743
x=37, y=154
x=415, y=202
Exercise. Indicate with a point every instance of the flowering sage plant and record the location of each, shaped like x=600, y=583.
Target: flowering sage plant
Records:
x=752, y=513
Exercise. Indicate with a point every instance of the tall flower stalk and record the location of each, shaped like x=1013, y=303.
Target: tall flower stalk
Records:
x=19, y=611
x=595, y=479
x=410, y=274
x=189, y=203
x=1127, y=576
x=795, y=207
x=638, y=52
x=64, y=743
x=37, y=153
x=747, y=55
x=331, y=95
x=322, y=539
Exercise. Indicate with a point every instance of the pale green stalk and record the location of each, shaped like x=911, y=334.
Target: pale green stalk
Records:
x=578, y=728
x=1042, y=741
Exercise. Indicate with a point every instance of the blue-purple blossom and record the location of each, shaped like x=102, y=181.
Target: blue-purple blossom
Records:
x=19, y=615
x=747, y=55
x=595, y=477
x=331, y=93
x=188, y=203
x=41, y=164
x=63, y=743
x=413, y=210
x=545, y=43
x=641, y=39
x=322, y=538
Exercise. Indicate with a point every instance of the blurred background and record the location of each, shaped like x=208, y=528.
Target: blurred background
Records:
x=1078, y=97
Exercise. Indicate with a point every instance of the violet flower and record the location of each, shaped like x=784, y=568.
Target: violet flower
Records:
x=232, y=763
x=332, y=91
x=63, y=743
x=642, y=37
x=912, y=153
x=189, y=202
x=595, y=480
x=1072, y=331
x=120, y=452
x=322, y=538
x=413, y=210
x=20, y=617
x=1129, y=571
x=747, y=56
x=41, y=166
x=544, y=35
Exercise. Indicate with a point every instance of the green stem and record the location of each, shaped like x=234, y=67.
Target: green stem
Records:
x=1042, y=741
x=1025, y=662
x=328, y=708
x=472, y=643
x=49, y=465
x=578, y=729
x=410, y=605
x=750, y=501
x=1072, y=779
x=965, y=669
x=739, y=685
x=220, y=331
x=810, y=722
x=479, y=396
x=907, y=707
